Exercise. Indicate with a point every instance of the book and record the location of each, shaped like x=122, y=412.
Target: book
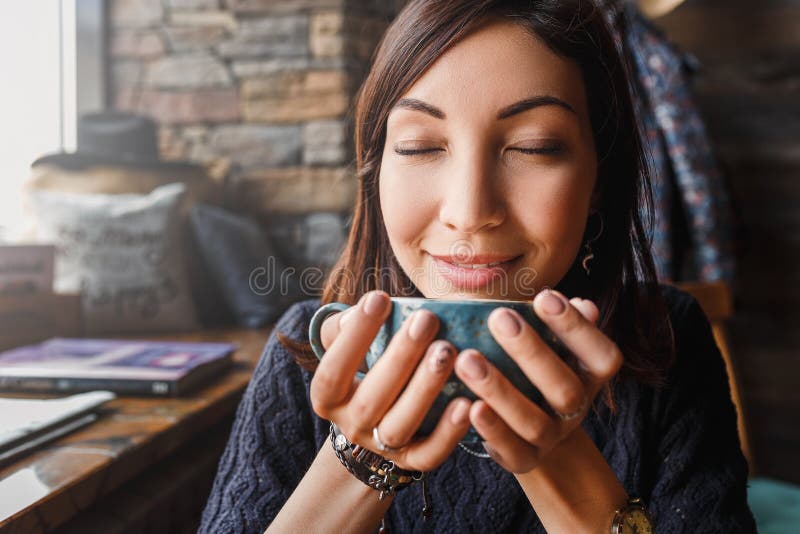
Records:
x=128, y=367
x=28, y=423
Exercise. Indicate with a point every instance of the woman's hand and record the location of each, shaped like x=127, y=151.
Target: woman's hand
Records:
x=519, y=433
x=398, y=391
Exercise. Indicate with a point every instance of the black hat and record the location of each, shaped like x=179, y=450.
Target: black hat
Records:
x=113, y=138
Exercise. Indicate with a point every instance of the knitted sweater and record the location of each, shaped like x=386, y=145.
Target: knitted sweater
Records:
x=676, y=447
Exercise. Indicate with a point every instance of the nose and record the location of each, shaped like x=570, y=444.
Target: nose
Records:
x=472, y=201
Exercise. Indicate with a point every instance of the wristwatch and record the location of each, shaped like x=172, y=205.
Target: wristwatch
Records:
x=632, y=519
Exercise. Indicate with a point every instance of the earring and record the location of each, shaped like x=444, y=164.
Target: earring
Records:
x=588, y=246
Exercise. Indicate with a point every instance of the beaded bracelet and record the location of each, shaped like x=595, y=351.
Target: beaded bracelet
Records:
x=376, y=471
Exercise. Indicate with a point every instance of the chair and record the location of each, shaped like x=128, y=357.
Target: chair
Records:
x=775, y=504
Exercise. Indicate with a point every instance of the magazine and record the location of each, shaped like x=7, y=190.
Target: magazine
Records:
x=28, y=423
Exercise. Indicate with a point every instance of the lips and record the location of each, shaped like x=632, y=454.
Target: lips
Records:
x=476, y=266
x=482, y=260
x=478, y=273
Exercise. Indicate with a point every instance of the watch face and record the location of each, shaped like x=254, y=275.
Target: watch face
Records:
x=636, y=522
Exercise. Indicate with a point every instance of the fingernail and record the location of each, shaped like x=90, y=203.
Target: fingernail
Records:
x=460, y=413
x=473, y=365
x=506, y=323
x=421, y=325
x=375, y=303
x=439, y=360
x=551, y=304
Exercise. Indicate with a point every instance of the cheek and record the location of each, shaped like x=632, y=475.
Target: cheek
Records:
x=553, y=209
x=406, y=209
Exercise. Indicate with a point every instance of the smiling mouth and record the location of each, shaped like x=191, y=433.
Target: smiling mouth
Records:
x=473, y=276
x=477, y=265
x=479, y=261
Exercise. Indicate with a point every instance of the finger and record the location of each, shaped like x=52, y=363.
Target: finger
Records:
x=587, y=308
x=599, y=355
x=430, y=452
x=561, y=387
x=527, y=419
x=502, y=443
x=331, y=327
x=333, y=379
x=387, y=378
x=403, y=419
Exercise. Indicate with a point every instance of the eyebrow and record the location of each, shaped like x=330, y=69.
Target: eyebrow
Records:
x=508, y=111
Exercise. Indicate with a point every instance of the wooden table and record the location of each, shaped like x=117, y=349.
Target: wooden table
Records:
x=145, y=466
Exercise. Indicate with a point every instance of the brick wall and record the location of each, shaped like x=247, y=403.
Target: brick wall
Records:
x=264, y=86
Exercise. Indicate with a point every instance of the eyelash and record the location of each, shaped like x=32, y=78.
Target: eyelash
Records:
x=547, y=151
x=410, y=152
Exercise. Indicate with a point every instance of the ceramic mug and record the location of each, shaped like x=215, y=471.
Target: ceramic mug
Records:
x=464, y=324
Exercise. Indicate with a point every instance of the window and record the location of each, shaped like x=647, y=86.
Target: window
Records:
x=51, y=57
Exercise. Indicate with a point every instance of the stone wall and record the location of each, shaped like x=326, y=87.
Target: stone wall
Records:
x=262, y=87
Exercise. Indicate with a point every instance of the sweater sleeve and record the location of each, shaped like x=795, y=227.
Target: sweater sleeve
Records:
x=701, y=477
x=271, y=444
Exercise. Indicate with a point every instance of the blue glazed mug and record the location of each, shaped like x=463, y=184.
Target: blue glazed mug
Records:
x=464, y=324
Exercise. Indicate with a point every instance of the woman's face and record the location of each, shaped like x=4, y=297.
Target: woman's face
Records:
x=489, y=157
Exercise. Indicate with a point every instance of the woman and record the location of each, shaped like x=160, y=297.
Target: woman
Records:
x=494, y=131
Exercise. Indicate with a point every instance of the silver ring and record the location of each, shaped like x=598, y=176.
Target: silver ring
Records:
x=575, y=414
x=377, y=439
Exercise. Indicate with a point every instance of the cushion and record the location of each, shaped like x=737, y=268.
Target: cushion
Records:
x=123, y=253
x=201, y=186
x=775, y=505
x=239, y=256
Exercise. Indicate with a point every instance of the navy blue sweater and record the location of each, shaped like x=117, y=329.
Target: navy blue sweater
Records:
x=676, y=447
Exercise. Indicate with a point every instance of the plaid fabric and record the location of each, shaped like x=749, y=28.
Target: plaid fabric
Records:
x=683, y=167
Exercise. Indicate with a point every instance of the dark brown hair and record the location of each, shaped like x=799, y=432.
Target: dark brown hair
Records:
x=623, y=282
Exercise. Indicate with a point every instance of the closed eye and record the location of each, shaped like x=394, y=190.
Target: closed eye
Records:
x=414, y=152
x=547, y=151
x=551, y=150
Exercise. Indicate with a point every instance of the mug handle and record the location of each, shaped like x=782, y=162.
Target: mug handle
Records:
x=315, y=326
